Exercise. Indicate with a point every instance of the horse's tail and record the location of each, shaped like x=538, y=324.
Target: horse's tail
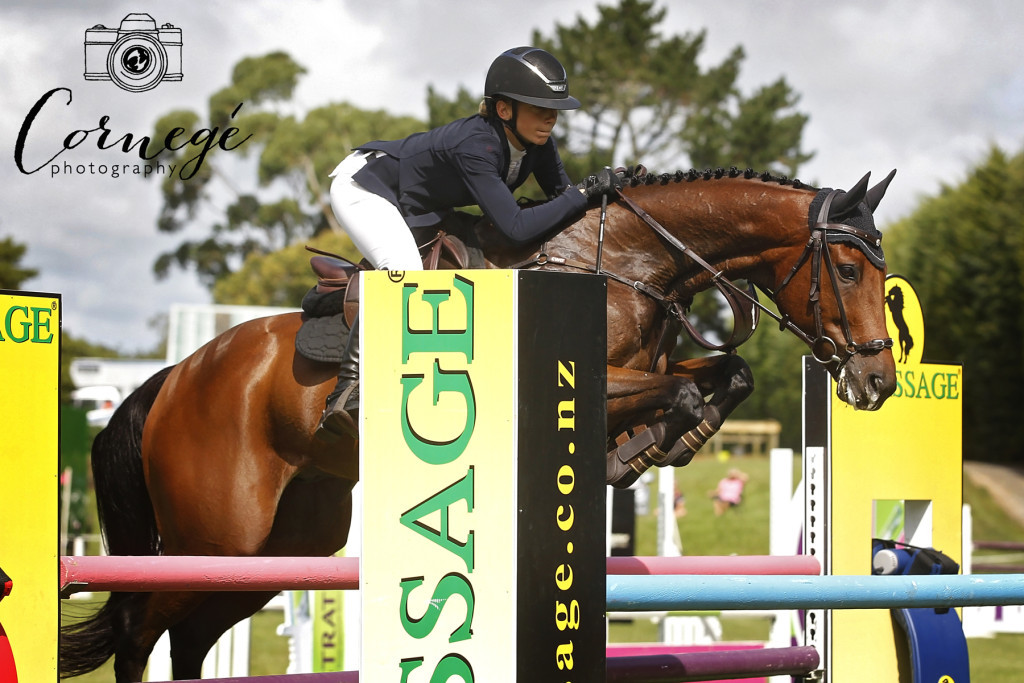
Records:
x=122, y=501
x=126, y=518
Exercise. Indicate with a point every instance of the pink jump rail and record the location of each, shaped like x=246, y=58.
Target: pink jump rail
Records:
x=189, y=573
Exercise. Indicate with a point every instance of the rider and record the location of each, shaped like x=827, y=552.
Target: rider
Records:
x=384, y=188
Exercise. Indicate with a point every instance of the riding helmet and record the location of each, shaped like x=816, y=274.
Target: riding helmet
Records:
x=530, y=75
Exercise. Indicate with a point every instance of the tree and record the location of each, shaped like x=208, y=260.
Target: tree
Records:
x=441, y=110
x=292, y=158
x=12, y=275
x=278, y=279
x=646, y=99
x=764, y=132
x=963, y=251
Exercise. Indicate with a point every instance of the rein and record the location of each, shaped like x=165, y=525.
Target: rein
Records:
x=823, y=348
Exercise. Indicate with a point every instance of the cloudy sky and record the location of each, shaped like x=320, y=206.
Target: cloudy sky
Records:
x=924, y=87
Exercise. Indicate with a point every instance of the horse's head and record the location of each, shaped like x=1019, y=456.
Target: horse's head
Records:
x=835, y=294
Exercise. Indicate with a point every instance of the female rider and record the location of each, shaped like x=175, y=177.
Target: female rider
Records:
x=384, y=188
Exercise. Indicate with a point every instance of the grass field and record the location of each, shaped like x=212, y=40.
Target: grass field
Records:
x=741, y=531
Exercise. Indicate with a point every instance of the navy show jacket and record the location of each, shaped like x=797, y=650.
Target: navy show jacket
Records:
x=462, y=163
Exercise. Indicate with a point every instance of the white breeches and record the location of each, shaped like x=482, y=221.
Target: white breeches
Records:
x=375, y=225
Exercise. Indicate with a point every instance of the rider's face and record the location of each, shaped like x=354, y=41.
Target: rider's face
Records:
x=534, y=123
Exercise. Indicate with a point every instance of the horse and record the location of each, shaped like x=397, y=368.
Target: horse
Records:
x=894, y=300
x=217, y=454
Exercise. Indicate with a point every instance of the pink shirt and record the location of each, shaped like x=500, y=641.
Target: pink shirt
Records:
x=730, y=490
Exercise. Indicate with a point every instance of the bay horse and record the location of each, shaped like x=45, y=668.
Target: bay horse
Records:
x=217, y=455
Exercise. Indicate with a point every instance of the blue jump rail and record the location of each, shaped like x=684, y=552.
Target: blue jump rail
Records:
x=659, y=593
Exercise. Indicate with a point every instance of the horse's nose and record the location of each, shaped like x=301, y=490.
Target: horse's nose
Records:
x=881, y=386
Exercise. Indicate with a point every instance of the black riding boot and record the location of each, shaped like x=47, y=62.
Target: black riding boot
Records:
x=340, y=417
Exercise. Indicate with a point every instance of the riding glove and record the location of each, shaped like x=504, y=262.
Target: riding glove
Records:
x=605, y=182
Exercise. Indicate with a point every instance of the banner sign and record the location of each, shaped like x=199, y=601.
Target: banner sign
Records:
x=895, y=473
x=482, y=461
x=29, y=399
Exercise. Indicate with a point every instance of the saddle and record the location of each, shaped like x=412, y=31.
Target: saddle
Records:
x=330, y=307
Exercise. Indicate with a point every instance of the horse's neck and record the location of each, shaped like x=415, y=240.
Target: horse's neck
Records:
x=736, y=225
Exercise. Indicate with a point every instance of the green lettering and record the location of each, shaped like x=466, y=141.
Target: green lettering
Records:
x=38, y=324
x=450, y=665
x=438, y=339
x=428, y=450
x=922, y=387
x=439, y=503
x=9, y=322
x=939, y=385
x=449, y=585
x=408, y=666
x=909, y=377
x=954, y=386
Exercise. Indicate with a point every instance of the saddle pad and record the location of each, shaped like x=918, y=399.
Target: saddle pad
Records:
x=322, y=304
x=323, y=339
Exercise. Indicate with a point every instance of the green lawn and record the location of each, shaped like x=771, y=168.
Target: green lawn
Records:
x=742, y=531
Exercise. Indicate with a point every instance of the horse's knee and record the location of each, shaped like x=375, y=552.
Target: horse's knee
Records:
x=688, y=402
x=741, y=378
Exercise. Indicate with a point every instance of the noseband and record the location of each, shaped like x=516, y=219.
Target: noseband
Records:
x=824, y=349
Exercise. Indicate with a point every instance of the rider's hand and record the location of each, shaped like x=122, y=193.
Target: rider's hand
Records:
x=605, y=182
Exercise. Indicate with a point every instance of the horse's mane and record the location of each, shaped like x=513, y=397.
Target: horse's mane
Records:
x=635, y=178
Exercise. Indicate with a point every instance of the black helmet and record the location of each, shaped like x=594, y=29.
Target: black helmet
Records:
x=530, y=75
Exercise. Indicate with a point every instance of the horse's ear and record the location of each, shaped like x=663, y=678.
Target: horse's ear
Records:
x=875, y=194
x=847, y=202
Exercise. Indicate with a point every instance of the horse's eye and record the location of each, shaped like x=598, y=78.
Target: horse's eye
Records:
x=848, y=272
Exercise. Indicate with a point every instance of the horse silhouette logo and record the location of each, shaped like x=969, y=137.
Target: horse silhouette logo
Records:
x=894, y=300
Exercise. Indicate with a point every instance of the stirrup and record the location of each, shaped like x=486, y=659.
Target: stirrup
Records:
x=341, y=415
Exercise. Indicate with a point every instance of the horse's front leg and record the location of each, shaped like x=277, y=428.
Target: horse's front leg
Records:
x=726, y=381
x=695, y=397
x=668, y=404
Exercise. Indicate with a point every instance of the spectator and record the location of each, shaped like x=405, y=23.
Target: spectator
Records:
x=729, y=492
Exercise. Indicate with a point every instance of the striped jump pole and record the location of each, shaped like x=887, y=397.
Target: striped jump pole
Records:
x=665, y=593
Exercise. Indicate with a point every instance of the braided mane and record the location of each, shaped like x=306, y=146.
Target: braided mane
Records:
x=643, y=178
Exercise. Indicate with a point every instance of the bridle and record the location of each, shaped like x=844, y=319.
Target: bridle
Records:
x=824, y=349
